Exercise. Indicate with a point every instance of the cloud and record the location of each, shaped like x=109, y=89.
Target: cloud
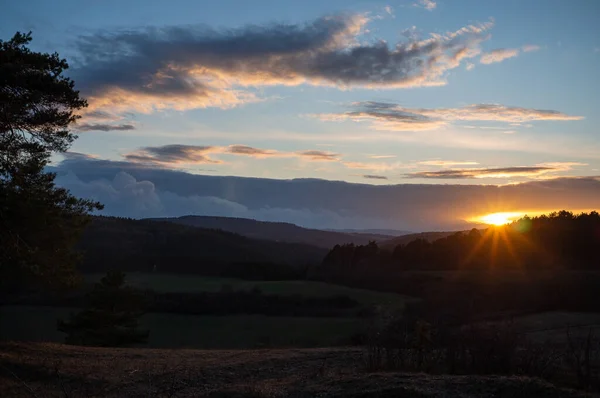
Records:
x=501, y=172
x=563, y=166
x=377, y=167
x=382, y=156
x=498, y=55
x=374, y=177
x=389, y=10
x=488, y=127
x=426, y=4
x=78, y=156
x=393, y=117
x=360, y=165
x=319, y=155
x=250, y=151
x=384, y=116
x=104, y=127
x=158, y=192
x=184, y=67
x=178, y=154
x=470, y=66
x=530, y=47
x=172, y=155
x=125, y=196
x=445, y=163
x=495, y=112
x=481, y=173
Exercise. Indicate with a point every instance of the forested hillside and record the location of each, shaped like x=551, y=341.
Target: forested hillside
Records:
x=278, y=231
x=144, y=245
x=534, y=264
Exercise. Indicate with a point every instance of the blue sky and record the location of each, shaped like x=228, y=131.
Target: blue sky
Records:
x=373, y=92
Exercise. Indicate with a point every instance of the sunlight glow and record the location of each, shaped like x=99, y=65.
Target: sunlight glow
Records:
x=500, y=218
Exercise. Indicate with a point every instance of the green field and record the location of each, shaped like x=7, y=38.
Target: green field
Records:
x=193, y=284
x=33, y=323
x=38, y=323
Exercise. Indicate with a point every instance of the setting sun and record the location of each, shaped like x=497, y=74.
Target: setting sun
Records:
x=500, y=218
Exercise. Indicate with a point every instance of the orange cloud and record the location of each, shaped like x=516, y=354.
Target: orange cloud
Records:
x=445, y=163
x=319, y=155
x=189, y=67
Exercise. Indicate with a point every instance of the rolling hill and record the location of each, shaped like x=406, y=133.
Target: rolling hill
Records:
x=144, y=245
x=277, y=231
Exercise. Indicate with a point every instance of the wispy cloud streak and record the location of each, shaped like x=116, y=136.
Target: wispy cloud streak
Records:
x=392, y=117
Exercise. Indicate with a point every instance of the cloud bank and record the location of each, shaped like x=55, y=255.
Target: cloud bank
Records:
x=132, y=190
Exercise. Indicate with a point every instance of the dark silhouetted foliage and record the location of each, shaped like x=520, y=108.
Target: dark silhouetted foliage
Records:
x=39, y=222
x=251, y=302
x=110, y=317
x=542, y=251
x=152, y=246
x=559, y=240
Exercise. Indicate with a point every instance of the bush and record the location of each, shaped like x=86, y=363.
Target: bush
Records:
x=110, y=318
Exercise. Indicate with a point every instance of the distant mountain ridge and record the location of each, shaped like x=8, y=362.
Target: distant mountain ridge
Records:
x=277, y=231
x=387, y=232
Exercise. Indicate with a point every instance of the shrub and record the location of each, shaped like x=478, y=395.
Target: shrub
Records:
x=110, y=318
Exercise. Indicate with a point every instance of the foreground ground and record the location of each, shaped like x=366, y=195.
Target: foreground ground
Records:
x=51, y=370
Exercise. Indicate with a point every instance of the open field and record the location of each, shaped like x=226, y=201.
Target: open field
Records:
x=36, y=323
x=50, y=370
x=193, y=284
x=31, y=323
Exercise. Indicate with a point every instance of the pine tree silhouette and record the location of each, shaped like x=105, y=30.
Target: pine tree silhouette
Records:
x=110, y=318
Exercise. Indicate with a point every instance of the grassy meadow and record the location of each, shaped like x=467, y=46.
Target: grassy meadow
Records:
x=194, y=284
x=38, y=323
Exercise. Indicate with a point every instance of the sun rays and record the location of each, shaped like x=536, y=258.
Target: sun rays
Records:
x=502, y=218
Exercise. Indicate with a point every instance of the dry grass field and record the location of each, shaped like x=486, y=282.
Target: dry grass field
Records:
x=55, y=370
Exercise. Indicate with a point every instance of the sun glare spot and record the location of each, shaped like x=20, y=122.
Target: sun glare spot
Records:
x=500, y=218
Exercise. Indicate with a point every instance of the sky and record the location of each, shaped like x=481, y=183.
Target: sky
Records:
x=438, y=101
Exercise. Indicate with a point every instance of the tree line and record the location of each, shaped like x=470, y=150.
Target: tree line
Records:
x=534, y=264
x=557, y=240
